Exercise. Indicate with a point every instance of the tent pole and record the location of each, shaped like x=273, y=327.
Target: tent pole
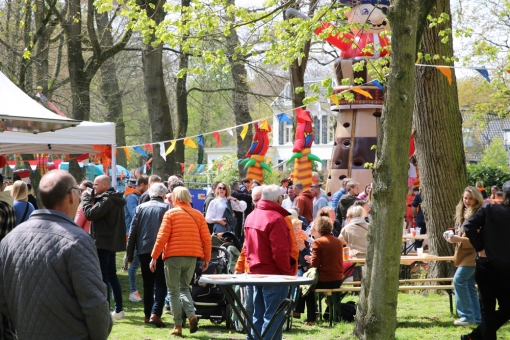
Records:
x=114, y=166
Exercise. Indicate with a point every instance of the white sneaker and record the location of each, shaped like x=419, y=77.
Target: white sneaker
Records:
x=135, y=297
x=460, y=322
x=118, y=316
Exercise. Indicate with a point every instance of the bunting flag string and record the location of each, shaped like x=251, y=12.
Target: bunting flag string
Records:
x=162, y=150
x=484, y=73
x=378, y=84
x=447, y=72
x=140, y=151
x=216, y=135
x=171, y=147
x=230, y=132
x=189, y=142
x=201, y=140
x=149, y=147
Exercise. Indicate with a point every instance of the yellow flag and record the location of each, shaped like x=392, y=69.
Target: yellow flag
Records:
x=244, y=132
x=362, y=92
x=263, y=125
x=334, y=99
x=170, y=148
x=189, y=142
x=126, y=151
x=447, y=72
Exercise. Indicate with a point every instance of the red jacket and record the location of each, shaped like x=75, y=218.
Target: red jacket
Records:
x=304, y=202
x=267, y=240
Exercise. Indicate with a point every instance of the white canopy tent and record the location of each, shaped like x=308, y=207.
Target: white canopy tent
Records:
x=28, y=127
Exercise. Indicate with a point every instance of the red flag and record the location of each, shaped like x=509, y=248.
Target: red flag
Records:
x=218, y=138
x=303, y=114
x=182, y=167
x=56, y=163
x=220, y=166
x=149, y=146
x=82, y=157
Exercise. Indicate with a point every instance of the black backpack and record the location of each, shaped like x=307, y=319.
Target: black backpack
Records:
x=348, y=311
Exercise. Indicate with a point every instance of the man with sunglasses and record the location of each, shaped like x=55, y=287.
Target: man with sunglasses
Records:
x=105, y=208
x=56, y=263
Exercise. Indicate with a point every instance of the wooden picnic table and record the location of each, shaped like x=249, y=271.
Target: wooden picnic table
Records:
x=408, y=237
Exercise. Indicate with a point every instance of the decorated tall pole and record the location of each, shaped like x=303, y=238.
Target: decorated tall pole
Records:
x=255, y=161
x=302, y=156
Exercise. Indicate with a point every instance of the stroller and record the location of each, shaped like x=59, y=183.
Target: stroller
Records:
x=209, y=301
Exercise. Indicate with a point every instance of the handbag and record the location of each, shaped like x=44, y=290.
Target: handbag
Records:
x=230, y=219
x=312, y=273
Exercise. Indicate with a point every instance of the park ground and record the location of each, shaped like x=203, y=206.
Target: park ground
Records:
x=419, y=316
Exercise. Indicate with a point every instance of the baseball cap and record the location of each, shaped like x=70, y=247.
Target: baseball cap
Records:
x=506, y=186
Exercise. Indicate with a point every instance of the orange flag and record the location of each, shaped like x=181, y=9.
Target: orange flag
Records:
x=189, y=142
x=189, y=168
x=447, y=72
x=126, y=151
x=362, y=92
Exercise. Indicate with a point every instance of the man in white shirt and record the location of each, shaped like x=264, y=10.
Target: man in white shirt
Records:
x=290, y=201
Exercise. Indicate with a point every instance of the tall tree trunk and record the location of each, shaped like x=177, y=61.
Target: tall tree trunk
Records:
x=376, y=317
x=155, y=92
x=42, y=48
x=182, y=104
x=76, y=64
x=438, y=124
x=110, y=86
x=239, y=96
x=25, y=72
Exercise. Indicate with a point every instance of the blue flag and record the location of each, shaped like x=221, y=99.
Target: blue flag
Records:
x=200, y=141
x=484, y=73
x=200, y=168
x=378, y=84
x=283, y=118
x=140, y=151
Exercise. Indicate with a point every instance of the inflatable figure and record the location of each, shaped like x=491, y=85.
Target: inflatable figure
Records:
x=302, y=144
x=358, y=121
x=255, y=156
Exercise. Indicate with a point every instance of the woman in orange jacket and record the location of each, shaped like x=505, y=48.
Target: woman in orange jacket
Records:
x=182, y=238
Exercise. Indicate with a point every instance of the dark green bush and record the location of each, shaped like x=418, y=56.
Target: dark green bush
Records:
x=489, y=175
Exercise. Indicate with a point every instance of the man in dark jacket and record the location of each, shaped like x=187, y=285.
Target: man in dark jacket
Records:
x=50, y=279
x=144, y=230
x=489, y=233
x=241, y=215
x=268, y=251
x=105, y=208
x=304, y=202
x=145, y=196
x=347, y=200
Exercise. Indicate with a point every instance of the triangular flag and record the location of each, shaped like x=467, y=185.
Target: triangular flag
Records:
x=148, y=165
x=149, y=146
x=83, y=157
x=283, y=118
x=362, y=92
x=378, y=84
x=218, y=138
x=244, y=132
x=140, y=151
x=189, y=168
x=182, y=167
x=447, y=72
x=162, y=150
x=85, y=162
x=170, y=148
x=189, y=142
x=334, y=99
x=230, y=132
x=210, y=166
x=303, y=115
x=126, y=152
x=33, y=164
x=315, y=109
x=57, y=162
x=12, y=164
x=263, y=125
x=201, y=140
x=484, y=73
x=237, y=162
x=200, y=168
x=220, y=166
x=145, y=168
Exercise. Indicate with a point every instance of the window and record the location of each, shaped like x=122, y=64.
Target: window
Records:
x=316, y=130
x=281, y=130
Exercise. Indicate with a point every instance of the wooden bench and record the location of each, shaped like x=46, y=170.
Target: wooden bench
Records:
x=355, y=286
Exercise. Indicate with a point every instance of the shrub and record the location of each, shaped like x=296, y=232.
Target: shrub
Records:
x=489, y=175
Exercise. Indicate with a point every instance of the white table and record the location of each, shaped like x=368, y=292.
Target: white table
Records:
x=227, y=281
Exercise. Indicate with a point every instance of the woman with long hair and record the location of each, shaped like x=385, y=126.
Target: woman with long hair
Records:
x=468, y=306
x=80, y=218
x=21, y=206
x=218, y=206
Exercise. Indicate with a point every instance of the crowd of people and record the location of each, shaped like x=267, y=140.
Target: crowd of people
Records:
x=283, y=230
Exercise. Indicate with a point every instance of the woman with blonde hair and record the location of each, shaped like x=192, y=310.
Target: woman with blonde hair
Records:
x=22, y=207
x=466, y=296
x=183, y=237
x=217, y=207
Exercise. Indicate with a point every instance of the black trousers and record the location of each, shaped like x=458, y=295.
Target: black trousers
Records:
x=154, y=286
x=493, y=285
x=309, y=300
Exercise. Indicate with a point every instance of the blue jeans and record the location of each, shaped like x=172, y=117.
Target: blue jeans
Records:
x=109, y=273
x=133, y=267
x=466, y=296
x=248, y=305
x=266, y=300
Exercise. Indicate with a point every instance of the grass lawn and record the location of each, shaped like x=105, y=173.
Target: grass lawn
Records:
x=419, y=317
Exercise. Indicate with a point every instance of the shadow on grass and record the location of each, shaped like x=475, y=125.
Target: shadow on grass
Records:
x=424, y=323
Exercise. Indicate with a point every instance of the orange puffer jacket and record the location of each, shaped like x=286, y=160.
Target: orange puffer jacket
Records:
x=183, y=232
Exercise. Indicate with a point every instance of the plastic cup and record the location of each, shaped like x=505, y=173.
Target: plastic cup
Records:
x=413, y=231
x=419, y=251
x=418, y=231
x=345, y=253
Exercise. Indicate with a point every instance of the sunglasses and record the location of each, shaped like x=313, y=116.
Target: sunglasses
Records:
x=222, y=188
x=73, y=188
